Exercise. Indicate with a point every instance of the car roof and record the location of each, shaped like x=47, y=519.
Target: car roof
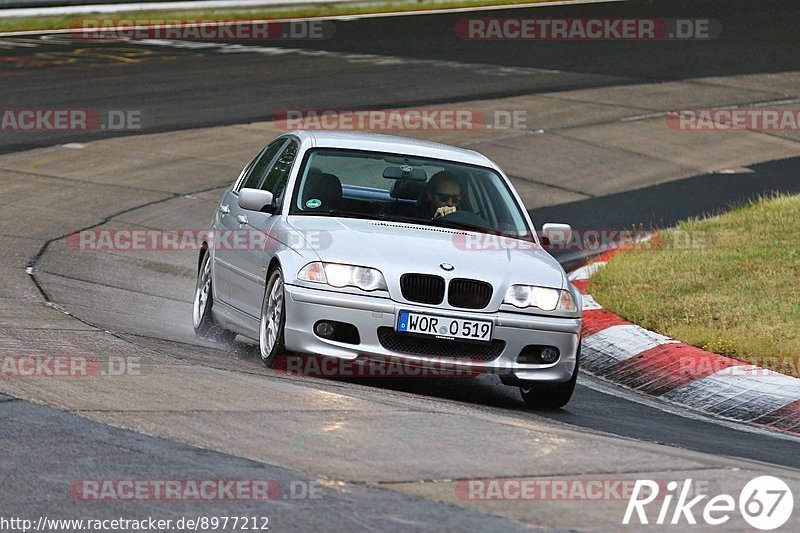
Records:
x=375, y=142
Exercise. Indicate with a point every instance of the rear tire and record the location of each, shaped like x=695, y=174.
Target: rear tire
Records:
x=202, y=319
x=551, y=396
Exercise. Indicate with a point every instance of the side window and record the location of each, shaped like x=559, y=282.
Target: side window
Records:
x=258, y=169
x=278, y=175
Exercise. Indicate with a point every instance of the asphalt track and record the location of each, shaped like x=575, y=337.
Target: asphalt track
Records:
x=176, y=89
x=64, y=442
x=212, y=87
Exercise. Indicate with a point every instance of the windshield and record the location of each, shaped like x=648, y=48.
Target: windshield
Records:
x=374, y=185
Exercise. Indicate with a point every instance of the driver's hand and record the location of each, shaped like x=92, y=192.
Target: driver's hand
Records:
x=444, y=210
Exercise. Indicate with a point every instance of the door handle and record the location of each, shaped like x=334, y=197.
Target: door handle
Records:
x=241, y=219
x=224, y=209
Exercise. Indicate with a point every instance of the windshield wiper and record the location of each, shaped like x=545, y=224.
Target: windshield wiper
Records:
x=400, y=218
x=385, y=217
x=344, y=213
x=372, y=216
x=460, y=225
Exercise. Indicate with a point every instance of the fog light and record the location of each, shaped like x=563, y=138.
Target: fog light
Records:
x=549, y=355
x=324, y=329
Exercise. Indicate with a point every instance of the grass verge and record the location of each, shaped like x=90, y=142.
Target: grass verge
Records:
x=728, y=284
x=299, y=11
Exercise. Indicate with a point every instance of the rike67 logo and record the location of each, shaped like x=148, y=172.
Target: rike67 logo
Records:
x=765, y=503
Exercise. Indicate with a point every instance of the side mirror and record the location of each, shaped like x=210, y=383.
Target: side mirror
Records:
x=254, y=199
x=556, y=234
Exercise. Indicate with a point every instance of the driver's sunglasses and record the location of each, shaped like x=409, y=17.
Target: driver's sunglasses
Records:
x=447, y=197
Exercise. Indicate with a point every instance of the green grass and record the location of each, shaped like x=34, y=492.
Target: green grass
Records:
x=728, y=284
x=317, y=10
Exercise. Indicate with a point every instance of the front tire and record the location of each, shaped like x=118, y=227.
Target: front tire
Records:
x=202, y=319
x=273, y=319
x=552, y=396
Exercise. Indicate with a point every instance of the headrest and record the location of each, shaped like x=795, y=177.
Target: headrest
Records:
x=325, y=188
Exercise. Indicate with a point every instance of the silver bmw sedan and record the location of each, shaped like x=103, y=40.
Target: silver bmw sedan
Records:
x=358, y=246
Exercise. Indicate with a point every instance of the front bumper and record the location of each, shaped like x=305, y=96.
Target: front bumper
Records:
x=305, y=306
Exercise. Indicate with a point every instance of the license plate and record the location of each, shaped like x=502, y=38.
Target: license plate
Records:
x=444, y=327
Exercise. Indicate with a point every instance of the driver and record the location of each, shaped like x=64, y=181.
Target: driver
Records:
x=443, y=195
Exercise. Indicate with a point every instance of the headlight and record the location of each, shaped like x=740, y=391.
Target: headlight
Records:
x=544, y=298
x=338, y=275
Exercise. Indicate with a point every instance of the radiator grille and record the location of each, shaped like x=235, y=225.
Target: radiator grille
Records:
x=469, y=293
x=422, y=288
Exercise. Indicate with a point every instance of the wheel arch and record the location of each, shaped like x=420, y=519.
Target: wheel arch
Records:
x=274, y=262
x=203, y=250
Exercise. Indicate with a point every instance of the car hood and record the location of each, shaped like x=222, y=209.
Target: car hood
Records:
x=397, y=248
